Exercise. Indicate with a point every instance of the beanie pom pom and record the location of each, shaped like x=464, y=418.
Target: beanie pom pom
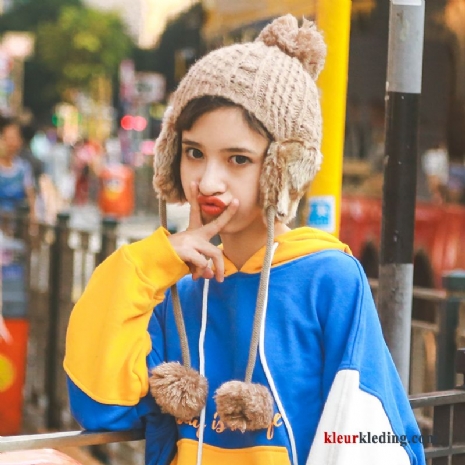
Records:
x=305, y=43
x=178, y=390
x=244, y=406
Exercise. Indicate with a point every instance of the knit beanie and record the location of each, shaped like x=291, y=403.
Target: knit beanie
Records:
x=273, y=78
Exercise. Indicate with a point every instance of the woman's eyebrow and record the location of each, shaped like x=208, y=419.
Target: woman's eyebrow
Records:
x=239, y=149
x=191, y=142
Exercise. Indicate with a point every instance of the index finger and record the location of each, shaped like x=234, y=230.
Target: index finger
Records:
x=195, y=218
x=213, y=228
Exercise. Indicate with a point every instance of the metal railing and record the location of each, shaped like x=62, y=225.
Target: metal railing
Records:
x=436, y=333
x=67, y=439
x=448, y=421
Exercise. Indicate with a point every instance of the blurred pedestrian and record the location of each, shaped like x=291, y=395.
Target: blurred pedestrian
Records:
x=59, y=170
x=87, y=161
x=40, y=145
x=81, y=162
x=26, y=153
x=435, y=165
x=16, y=175
x=456, y=183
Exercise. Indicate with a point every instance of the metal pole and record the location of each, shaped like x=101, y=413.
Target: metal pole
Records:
x=108, y=238
x=55, y=282
x=405, y=56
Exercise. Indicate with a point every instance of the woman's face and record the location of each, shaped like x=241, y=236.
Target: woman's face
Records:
x=224, y=156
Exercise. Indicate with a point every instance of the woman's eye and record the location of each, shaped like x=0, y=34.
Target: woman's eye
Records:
x=240, y=159
x=194, y=153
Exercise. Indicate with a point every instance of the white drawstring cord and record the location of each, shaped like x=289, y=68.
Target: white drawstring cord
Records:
x=203, y=330
x=261, y=348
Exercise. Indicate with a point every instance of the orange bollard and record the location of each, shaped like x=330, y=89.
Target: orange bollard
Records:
x=12, y=375
x=116, y=195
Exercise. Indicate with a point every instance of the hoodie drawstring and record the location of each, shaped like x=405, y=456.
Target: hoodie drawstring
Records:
x=274, y=391
x=203, y=331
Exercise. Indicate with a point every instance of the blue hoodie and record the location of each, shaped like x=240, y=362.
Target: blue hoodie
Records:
x=337, y=396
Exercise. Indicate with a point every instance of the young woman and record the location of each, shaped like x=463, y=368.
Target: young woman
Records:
x=283, y=359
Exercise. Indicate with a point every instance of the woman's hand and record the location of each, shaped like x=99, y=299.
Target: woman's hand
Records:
x=193, y=245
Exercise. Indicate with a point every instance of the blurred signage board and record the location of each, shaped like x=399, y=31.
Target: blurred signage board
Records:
x=149, y=87
x=127, y=79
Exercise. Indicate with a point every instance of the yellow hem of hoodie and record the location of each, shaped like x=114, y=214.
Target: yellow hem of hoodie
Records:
x=211, y=455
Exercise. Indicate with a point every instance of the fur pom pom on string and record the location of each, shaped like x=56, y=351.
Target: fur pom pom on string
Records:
x=305, y=43
x=179, y=391
x=244, y=406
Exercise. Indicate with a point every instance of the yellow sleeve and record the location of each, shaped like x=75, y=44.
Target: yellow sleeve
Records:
x=107, y=339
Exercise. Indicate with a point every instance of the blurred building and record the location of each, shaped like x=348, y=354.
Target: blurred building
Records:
x=156, y=14
x=225, y=15
x=5, y=5
x=146, y=19
x=131, y=12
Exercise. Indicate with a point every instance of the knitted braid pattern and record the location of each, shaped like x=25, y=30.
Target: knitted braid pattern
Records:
x=177, y=310
x=262, y=290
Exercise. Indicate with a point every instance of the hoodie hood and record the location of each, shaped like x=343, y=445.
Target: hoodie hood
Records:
x=293, y=244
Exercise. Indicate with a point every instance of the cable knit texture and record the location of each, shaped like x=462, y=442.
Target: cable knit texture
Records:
x=274, y=79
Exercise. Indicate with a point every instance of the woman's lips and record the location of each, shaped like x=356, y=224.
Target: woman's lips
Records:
x=211, y=205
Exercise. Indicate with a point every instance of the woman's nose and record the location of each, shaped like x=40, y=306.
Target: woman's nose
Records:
x=211, y=181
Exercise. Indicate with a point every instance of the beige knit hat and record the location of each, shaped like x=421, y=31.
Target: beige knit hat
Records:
x=274, y=79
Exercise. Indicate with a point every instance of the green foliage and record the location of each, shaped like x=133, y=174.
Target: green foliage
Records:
x=28, y=14
x=80, y=45
x=72, y=44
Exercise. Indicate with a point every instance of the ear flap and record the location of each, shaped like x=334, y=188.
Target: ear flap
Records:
x=165, y=150
x=288, y=169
